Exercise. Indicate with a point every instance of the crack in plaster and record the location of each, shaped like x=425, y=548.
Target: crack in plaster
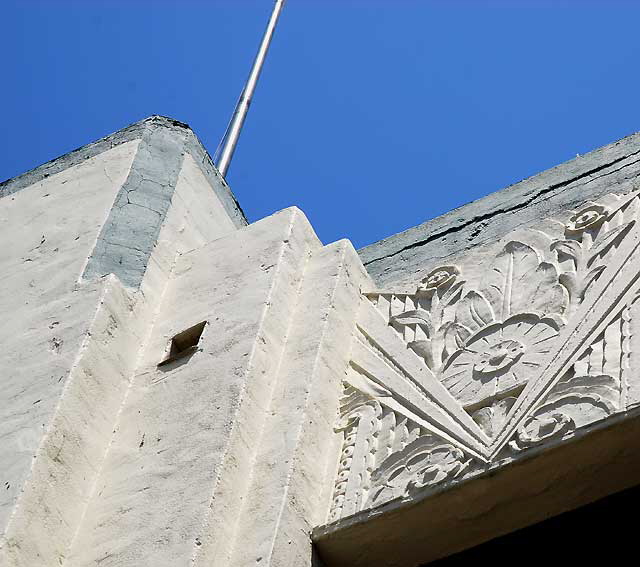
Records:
x=522, y=205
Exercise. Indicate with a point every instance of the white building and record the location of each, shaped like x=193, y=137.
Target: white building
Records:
x=180, y=388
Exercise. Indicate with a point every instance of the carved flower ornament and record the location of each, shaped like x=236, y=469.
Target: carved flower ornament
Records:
x=537, y=429
x=484, y=335
x=589, y=217
x=485, y=343
x=422, y=463
x=575, y=401
x=499, y=358
x=440, y=278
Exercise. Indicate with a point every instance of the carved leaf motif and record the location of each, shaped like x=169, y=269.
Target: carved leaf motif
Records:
x=570, y=281
x=426, y=461
x=520, y=281
x=591, y=275
x=605, y=387
x=573, y=403
x=602, y=244
x=455, y=335
x=474, y=311
x=516, y=268
x=491, y=418
x=578, y=287
x=585, y=253
x=547, y=296
x=571, y=248
x=450, y=295
x=442, y=463
x=424, y=327
x=414, y=317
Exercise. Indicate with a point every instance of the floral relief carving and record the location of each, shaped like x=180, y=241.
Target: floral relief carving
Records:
x=543, y=428
x=385, y=455
x=438, y=331
x=585, y=253
x=481, y=336
x=440, y=278
x=574, y=402
x=498, y=359
x=486, y=343
x=423, y=463
x=590, y=217
x=359, y=423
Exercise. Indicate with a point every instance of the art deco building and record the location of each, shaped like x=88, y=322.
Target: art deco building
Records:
x=181, y=388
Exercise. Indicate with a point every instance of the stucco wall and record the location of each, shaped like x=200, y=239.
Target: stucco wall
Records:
x=47, y=231
x=77, y=314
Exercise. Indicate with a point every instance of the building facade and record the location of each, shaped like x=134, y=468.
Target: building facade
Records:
x=181, y=387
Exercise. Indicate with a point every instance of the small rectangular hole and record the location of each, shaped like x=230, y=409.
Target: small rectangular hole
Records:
x=184, y=343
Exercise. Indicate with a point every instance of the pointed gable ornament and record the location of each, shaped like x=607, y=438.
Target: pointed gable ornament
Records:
x=474, y=370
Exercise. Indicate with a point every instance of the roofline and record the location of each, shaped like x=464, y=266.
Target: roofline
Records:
x=135, y=131
x=528, y=192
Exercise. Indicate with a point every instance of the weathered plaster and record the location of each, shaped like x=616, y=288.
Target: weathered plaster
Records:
x=130, y=232
x=478, y=377
x=392, y=419
x=189, y=431
x=298, y=444
x=47, y=233
x=64, y=467
x=399, y=260
x=143, y=129
x=71, y=343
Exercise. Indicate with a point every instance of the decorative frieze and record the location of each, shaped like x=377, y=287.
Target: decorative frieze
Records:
x=480, y=365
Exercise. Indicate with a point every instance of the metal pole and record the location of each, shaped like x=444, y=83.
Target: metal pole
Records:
x=230, y=139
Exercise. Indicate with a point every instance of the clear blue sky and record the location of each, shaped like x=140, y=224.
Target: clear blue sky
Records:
x=372, y=116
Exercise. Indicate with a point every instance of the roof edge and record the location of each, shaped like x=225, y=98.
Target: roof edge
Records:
x=134, y=131
x=510, y=198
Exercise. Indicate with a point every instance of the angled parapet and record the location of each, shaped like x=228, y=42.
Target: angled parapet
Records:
x=399, y=260
x=89, y=241
x=500, y=382
x=179, y=389
x=224, y=452
x=185, y=389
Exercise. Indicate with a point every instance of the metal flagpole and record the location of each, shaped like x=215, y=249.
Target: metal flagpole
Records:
x=230, y=138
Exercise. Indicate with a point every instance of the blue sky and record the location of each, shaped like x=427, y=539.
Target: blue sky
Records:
x=372, y=116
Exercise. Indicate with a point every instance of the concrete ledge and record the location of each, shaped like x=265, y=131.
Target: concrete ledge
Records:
x=570, y=475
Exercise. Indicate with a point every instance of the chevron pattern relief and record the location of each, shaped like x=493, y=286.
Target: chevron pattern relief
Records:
x=479, y=366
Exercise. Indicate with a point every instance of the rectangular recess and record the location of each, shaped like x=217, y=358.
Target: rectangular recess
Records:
x=184, y=344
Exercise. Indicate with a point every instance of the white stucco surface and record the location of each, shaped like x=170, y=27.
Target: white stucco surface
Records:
x=186, y=438
x=71, y=345
x=47, y=232
x=317, y=417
